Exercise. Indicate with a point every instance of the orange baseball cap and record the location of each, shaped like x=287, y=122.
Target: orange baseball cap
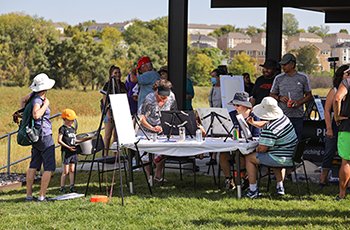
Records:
x=69, y=114
x=142, y=61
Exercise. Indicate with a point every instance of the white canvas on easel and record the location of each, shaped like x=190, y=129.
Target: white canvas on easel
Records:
x=122, y=118
x=218, y=129
x=229, y=85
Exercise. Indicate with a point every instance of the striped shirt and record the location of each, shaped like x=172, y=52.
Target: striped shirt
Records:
x=279, y=135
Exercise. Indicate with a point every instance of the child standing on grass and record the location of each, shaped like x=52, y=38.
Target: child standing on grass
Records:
x=67, y=140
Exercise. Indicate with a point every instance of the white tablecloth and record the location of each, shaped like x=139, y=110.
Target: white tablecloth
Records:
x=190, y=147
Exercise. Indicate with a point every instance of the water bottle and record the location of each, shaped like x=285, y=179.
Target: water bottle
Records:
x=182, y=133
x=134, y=163
x=31, y=135
x=199, y=135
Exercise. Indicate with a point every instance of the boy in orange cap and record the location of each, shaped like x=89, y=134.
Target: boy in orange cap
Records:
x=67, y=140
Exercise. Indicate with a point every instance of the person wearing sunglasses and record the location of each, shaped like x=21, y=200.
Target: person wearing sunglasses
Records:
x=242, y=106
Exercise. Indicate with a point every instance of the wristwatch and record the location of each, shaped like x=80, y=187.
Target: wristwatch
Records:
x=278, y=99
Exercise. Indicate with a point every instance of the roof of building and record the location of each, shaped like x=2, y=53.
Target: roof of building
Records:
x=299, y=44
x=249, y=46
x=200, y=37
x=262, y=34
x=322, y=45
x=118, y=24
x=341, y=45
x=234, y=35
x=57, y=25
x=305, y=35
x=339, y=35
x=202, y=26
x=202, y=45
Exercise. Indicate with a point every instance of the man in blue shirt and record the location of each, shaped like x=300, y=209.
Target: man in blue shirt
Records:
x=146, y=79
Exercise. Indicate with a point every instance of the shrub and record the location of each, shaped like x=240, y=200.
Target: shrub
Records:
x=320, y=81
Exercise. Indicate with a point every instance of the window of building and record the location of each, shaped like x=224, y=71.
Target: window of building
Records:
x=344, y=50
x=250, y=52
x=237, y=52
x=246, y=40
x=261, y=53
x=344, y=58
x=324, y=52
x=203, y=30
x=191, y=30
x=302, y=39
x=237, y=40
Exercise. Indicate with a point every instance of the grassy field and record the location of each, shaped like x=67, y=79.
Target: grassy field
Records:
x=176, y=205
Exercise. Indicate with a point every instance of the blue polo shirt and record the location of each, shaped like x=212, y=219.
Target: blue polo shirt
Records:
x=146, y=81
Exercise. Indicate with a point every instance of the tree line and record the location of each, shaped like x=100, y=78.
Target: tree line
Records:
x=30, y=45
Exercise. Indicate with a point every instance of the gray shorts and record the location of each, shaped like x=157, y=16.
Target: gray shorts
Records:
x=266, y=159
x=69, y=159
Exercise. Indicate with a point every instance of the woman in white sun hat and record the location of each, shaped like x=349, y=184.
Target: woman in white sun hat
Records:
x=276, y=144
x=43, y=151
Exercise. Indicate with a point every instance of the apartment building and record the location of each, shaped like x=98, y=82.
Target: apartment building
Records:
x=305, y=37
x=261, y=38
x=201, y=28
x=232, y=39
x=337, y=38
x=203, y=39
x=341, y=50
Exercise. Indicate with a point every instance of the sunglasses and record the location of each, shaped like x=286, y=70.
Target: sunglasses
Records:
x=236, y=105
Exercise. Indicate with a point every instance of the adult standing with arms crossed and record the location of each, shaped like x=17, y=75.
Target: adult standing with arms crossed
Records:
x=146, y=79
x=341, y=117
x=292, y=89
x=43, y=151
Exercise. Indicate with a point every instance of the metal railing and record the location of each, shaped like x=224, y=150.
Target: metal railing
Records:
x=8, y=135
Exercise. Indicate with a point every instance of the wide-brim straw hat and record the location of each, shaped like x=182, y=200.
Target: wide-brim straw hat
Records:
x=42, y=82
x=268, y=109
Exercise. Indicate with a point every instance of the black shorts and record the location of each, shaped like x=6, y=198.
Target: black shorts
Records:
x=69, y=158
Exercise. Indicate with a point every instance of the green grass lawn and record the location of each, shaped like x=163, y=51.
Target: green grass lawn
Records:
x=176, y=205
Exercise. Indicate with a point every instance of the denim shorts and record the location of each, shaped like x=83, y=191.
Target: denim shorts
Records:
x=105, y=119
x=43, y=152
x=266, y=159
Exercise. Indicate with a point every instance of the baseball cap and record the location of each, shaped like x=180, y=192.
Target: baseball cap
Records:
x=142, y=61
x=287, y=58
x=69, y=114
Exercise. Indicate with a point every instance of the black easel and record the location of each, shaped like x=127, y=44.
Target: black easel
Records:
x=214, y=115
x=175, y=115
x=111, y=89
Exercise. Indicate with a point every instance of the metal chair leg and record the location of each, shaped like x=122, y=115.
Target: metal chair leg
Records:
x=296, y=178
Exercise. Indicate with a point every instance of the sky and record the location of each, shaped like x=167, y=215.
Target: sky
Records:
x=102, y=11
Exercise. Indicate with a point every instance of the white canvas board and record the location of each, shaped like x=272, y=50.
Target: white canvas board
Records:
x=122, y=118
x=244, y=127
x=218, y=129
x=229, y=85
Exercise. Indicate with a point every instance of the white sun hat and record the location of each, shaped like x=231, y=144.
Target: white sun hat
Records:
x=268, y=109
x=41, y=82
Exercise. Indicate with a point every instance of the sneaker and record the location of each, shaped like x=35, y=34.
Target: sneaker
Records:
x=279, y=191
x=63, y=190
x=229, y=184
x=252, y=194
x=160, y=180
x=340, y=199
x=321, y=185
x=29, y=200
x=73, y=189
x=45, y=200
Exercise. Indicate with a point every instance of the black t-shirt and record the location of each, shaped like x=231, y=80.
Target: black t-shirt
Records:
x=345, y=109
x=68, y=138
x=261, y=88
x=249, y=88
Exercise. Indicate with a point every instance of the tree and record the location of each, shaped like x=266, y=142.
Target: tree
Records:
x=290, y=24
x=199, y=68
x=223, y=30
x=343, y=31
x=214, y=54
x=242, y=63
x=306, y=59
x=320, y=31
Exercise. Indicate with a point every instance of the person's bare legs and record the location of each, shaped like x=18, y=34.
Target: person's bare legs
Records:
x=45, y=180
x=224, y=159
x=108, y=134
x=344, y=175
x=324, y=176
x=64, y=175
x=71, y=173
x=30, y=180
x=278, y=174
x=250, y=164
x=159, y=169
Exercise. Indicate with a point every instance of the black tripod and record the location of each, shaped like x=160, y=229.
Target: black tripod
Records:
x=110, y=88
x=175, y=115
x=214, y=115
